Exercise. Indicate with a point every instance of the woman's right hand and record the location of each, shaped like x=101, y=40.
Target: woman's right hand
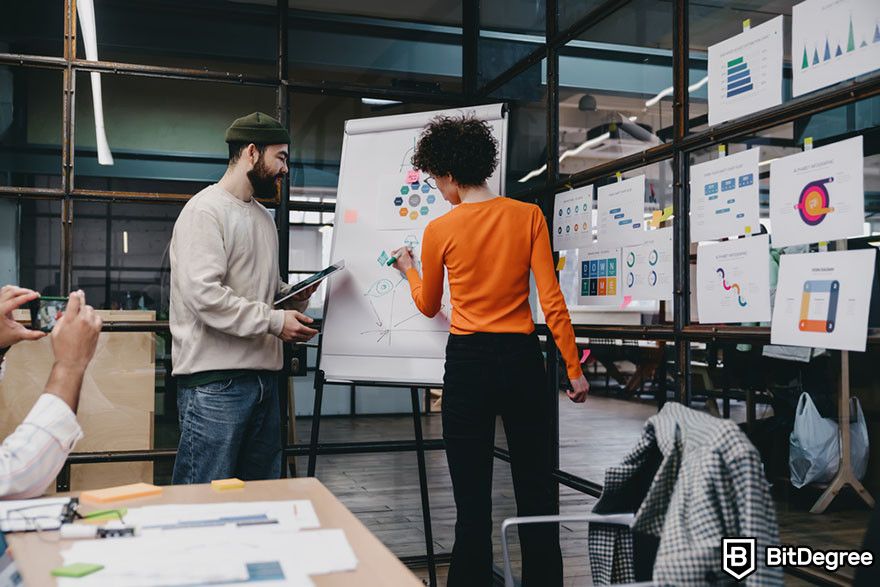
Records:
x=579, y=389
x=404, y=260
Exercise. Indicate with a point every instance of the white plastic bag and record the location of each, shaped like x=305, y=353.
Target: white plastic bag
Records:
x=858, y=439
x=814, y=445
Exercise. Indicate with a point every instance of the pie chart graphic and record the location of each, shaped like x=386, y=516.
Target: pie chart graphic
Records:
x=630, y=259
x=814, y=203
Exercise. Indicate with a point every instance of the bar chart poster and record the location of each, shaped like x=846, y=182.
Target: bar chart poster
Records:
x=600, y=277
x=823, y=300
x=733, y=281
x=724, y=197
x=646, y=272
x=745, y=72
x=621, y=212
x=818, y=195
x=572, y=219
x=833, y=40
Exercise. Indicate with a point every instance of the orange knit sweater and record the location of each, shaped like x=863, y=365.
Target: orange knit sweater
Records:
x=488, y=249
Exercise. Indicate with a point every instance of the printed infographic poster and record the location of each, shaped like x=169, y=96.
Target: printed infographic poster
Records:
x=823, y=300
x=745, y=72
x=733, y=280
x=408, y=200
x=621, y=212
x=572, y=219
x=833, y=40
x=724, y=197
x=818, y=195
x=646, y=271
x=600, y=277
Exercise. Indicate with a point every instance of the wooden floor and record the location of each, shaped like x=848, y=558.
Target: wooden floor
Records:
x=383, y=490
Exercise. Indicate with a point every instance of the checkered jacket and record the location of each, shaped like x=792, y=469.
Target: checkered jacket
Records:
x=708, y=484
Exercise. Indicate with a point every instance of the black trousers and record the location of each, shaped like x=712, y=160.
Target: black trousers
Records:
x=489, y=374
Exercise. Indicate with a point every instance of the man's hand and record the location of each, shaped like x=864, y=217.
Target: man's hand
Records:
x=74, y=340
x=295, y=329
x=404, y=259
x=579, y=389
x=11, y=332
x=75, y=335
x=306, y=293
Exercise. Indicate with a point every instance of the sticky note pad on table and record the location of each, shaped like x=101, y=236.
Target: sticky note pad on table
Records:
x=224, y=484
x=76, y=570
x=122, y=492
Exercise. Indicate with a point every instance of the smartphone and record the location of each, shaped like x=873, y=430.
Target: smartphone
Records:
x=46, y=311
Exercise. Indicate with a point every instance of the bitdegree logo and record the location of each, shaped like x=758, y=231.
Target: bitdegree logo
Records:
x=802, y=556
x=739, y=558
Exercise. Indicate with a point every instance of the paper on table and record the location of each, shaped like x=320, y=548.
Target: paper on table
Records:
x=21, y=515
x=290, y=514
x=212, y=555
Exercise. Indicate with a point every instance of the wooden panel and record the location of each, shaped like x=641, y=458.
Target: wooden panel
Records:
x=116, y=405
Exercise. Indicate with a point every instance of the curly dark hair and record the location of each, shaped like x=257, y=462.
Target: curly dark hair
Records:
x=459, y=146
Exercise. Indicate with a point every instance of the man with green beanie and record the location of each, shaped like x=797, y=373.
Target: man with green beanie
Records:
x=227, y=335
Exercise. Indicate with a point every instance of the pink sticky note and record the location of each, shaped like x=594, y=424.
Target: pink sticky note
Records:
x=412, y=176
x=627, y=300
x=585, y=356
x=351, y=216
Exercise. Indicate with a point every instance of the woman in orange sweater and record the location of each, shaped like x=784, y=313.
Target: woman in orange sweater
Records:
x=488, y=245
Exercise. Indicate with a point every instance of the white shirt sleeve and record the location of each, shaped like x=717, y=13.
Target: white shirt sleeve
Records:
x=33, y=455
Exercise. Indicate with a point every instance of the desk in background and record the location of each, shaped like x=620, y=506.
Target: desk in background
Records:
x=36, y=556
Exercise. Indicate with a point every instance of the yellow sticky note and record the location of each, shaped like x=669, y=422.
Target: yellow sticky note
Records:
x=655, y=218
x=747, y=24
x=560, y=265
x=808, y=143
x=748, y=230
x=667, y=212
x=224, y=484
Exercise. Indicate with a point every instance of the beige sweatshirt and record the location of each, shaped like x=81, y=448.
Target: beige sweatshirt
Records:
x=224, y=277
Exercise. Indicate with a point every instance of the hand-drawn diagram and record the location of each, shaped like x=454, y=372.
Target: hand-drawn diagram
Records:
x=391, y=310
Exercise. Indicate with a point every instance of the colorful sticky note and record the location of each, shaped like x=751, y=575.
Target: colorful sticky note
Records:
x=808, y=143
x=667, y=213
x=560, y=265
x=585, y=355
x=224, y=484
x=350, y=216
x=747, y=24
x=131, y=491
x=627, y=300
x=76, y=570
x=412, y=176
x=654, y=222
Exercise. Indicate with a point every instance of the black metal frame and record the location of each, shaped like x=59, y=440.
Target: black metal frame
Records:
x=678, y=150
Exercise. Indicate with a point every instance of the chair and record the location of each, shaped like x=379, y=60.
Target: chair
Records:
x=616, y=519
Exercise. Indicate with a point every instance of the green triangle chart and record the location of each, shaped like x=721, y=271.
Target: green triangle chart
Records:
x=833, y=42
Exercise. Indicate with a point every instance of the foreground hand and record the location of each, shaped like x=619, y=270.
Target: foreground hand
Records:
x=11, y=332
x=306, y=293
x=404, y=259
x=295, y=329
x=75, y=335
x=579, y=389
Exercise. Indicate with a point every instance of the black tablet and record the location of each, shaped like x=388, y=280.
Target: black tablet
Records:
x=311, y=280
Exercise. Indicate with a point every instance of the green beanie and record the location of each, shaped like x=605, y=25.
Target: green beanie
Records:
x=257, y=128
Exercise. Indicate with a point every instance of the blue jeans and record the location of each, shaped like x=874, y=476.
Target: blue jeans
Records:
x=229, y=429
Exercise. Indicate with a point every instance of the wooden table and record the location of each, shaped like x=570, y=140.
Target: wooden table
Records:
x=376, y=564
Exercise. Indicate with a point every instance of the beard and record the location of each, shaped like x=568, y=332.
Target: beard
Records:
x=262, y=180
